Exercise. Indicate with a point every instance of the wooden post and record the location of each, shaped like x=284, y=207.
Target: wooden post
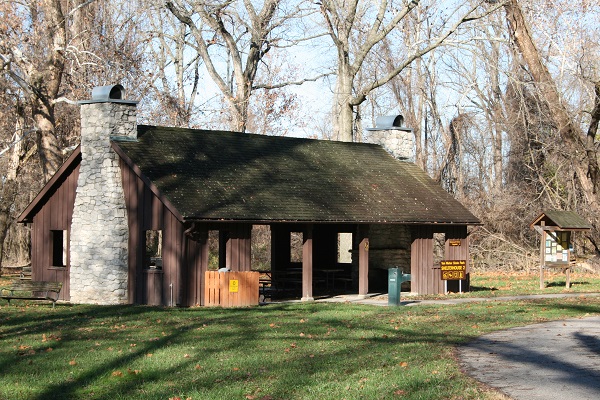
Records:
x=363, y=260
x=542, y=255
x=307, y=263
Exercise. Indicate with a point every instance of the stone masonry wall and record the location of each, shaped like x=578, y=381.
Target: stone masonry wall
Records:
x=389, y=246
x=99, y=231
x=399, y=143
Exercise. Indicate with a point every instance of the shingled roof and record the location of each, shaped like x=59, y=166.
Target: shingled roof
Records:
x=216, y=175
x=564, y=220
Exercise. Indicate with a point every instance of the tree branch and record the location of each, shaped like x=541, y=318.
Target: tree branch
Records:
x=296, y=83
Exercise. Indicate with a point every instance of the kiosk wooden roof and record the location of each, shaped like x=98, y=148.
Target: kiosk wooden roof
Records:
x=555, y=227
x=561, y=220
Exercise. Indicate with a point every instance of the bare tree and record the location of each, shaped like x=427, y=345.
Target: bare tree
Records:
x=233, y=38
x=176, y=80
x=36, y=65
x=357, y=28
x=51, y=53
x=578, y=147
x=572, y=135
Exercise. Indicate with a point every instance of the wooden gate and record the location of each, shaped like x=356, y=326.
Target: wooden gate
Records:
x=231, y=289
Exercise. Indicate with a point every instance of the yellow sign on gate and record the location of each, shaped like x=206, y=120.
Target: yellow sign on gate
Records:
x=234, y=285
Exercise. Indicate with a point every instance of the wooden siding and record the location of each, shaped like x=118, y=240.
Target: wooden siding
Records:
x=458, y=233
x=425, y=277
x=238, y=252
x=184, y=260
x=55, y=213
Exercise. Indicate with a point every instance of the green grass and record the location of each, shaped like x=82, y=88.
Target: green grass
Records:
x=279, y=351
x=499, y=284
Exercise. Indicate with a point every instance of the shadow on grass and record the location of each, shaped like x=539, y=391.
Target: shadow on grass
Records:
x=213, y=331
x=281, y=349
x=562, y=283
x=482, y=289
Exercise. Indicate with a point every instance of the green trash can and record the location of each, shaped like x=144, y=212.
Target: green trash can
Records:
x=395, y=279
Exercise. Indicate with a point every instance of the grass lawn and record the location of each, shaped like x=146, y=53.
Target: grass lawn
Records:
x=279, y=351
x=518, y=283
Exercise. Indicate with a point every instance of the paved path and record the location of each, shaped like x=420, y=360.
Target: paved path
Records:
x=554, y=360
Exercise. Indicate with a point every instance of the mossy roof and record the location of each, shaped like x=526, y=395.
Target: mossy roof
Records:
x=564, y=220
x=216, y=175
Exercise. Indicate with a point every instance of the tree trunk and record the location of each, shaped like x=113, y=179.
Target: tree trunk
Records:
x=9, y=191
x=49, y=151
x=342, y=110
x=587, y=175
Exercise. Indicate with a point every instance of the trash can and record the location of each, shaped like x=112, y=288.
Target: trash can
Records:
x=395, y=279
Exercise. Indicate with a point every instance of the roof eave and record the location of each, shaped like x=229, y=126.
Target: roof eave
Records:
x=260, y=221
x=27, y=215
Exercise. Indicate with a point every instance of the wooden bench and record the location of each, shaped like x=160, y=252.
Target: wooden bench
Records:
x=32, y=290
x=25, y=273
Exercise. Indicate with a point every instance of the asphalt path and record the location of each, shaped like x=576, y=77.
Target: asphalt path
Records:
x=554, y=360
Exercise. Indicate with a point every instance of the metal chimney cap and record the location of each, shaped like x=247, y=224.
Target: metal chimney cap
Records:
x=389, y=122
x=108, y=94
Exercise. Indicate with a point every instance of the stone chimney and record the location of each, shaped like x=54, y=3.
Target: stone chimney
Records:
x=392, y=136
x=99, y=229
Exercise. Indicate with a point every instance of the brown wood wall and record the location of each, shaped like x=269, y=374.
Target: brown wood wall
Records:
x=425, y=276
x=458, y=253
x=55, y=214
x=184, y=260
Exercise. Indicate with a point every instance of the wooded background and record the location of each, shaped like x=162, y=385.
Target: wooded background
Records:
x=503, y=96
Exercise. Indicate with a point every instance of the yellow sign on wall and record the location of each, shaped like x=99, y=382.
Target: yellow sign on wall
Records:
x=234, y=285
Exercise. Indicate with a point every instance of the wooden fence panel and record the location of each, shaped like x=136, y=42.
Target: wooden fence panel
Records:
x=231, y=289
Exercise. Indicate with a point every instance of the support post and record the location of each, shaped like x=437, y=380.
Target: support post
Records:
x=307, y=264
x=542, y=256
x=363, y=261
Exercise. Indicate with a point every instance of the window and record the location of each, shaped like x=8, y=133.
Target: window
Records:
x=296, y=241
x=344, y=247
x=58, y=256
x=153, y=250
x=439, y=248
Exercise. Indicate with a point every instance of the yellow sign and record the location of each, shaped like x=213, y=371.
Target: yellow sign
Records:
x=453, y=270
x=454, y=242
x=234, y=285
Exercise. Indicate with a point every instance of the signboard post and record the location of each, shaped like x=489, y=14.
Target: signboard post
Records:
x=454, y=270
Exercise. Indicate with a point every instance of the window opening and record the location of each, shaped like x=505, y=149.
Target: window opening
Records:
x=296, y=240
x=213, y=250
x=344, y=254
x=261, y=247
x=439, y=248
x=153, y=249
x=59, y=248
